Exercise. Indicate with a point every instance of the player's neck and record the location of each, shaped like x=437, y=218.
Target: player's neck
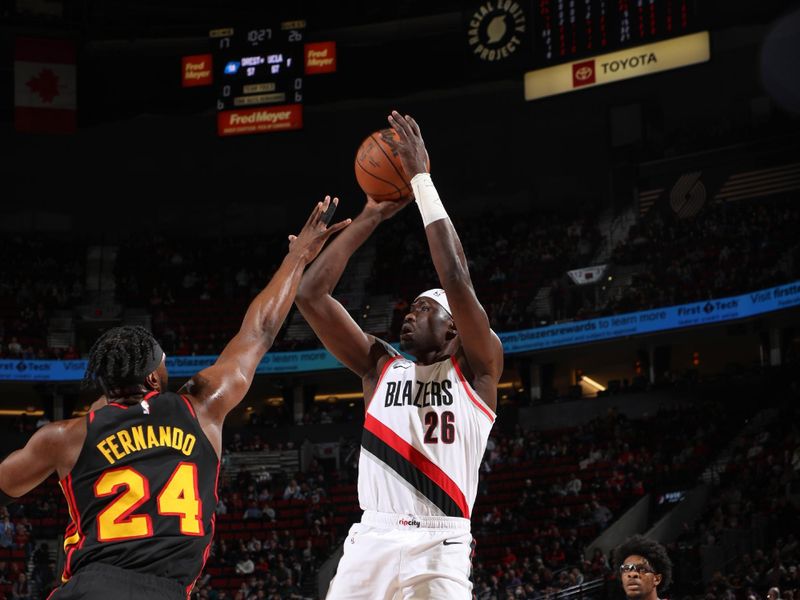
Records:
x=129, y=395
x=651, y=596
x=127, y=401
x=435, y=355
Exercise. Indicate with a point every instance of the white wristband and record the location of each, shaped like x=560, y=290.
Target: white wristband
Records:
x=427, y=198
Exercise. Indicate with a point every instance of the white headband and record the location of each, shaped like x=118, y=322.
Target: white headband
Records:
x=438, y=295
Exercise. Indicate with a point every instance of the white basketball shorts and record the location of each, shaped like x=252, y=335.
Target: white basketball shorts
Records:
x=405, y=557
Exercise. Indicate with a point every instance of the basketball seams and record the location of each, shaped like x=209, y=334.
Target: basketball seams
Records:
x=381, y=179
x=400, y=174
x=377, y=142
x=366, y=158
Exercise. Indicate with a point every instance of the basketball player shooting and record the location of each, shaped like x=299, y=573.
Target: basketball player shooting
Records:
x=427, y=421
x=140, y=472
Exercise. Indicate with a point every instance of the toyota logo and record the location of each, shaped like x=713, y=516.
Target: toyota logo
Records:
x=583, y=73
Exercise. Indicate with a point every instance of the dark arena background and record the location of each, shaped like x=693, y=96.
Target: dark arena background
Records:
x=625, y=178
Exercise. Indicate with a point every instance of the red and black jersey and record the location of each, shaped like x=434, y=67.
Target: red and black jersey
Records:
x=143, y=491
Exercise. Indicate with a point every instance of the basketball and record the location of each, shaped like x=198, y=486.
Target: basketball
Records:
x=378, y=169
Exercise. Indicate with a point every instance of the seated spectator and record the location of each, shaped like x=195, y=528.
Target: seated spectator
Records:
x=292, y=491
x=14, y=347
x=253, y=511
x=21, y=590
x=574, y=485
x=222, y=508
x=44, y=572
x=509, y=558
x=7, y=532
x=245, y=566
x=555, y=557
x=601, y=514
x=599, y=563
x=269, y=512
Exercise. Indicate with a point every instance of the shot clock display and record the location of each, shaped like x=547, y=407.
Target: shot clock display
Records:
x=566, y=30
x=258, y=73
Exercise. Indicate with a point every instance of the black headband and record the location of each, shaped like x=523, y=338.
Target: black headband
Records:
x=157, y=355
x=154, y=358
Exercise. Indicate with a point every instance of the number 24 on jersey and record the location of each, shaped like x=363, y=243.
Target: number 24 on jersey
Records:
x=178, y=498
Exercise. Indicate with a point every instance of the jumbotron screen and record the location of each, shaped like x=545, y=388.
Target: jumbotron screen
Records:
x=566, y=30
x=258, y=74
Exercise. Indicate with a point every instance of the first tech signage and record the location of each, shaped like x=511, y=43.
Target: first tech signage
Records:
x=616, y=66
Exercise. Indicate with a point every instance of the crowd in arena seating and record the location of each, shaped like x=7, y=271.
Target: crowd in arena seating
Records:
x=37, y=275
x=747, y=540
x=509, y=257
x=26, y=569
x=219, y=277
x=198, y=294
x=727, y=249
x=545, y=496
x=273, y=531
x=202, y=280
x=542, y=497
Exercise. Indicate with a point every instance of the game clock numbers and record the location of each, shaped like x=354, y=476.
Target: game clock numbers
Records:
x=566, y=30
x=258, y=74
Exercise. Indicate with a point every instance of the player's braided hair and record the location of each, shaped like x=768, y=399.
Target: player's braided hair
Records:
x=652, y=551
x=121, y=357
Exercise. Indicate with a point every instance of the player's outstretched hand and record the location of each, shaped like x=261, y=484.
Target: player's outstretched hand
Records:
x=386, y=209
x=411, y=148
x=309, y=242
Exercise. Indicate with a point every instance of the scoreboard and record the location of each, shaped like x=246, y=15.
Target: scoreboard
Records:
x=258, y=74
x=566, y=30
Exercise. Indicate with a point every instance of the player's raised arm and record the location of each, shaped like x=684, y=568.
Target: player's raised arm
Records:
x=222, y=386
x=482, y=348
x=336, y=329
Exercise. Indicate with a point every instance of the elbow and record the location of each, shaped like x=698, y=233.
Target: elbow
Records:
x=304, y=294
x=309, y=292
x=269, y=338
x=300, y=301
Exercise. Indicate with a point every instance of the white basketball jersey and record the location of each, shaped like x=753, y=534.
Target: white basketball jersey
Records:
x=424, y=436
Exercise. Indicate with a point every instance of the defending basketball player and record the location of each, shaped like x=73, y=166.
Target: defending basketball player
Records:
x=427, y=421
x=140, y=472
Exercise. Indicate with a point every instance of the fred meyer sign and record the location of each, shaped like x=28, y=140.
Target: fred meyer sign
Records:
x=616, y=66
x=260, y=120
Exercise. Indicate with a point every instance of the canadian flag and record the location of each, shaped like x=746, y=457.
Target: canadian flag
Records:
x=44, y=86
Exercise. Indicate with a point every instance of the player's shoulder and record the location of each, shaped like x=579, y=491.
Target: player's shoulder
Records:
x=66, y=426
x=381, y=354
x=380, y=348
x=73, y=426
x=496, y=339
x=61, y=434
x=494, y=368
x=62, y=441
